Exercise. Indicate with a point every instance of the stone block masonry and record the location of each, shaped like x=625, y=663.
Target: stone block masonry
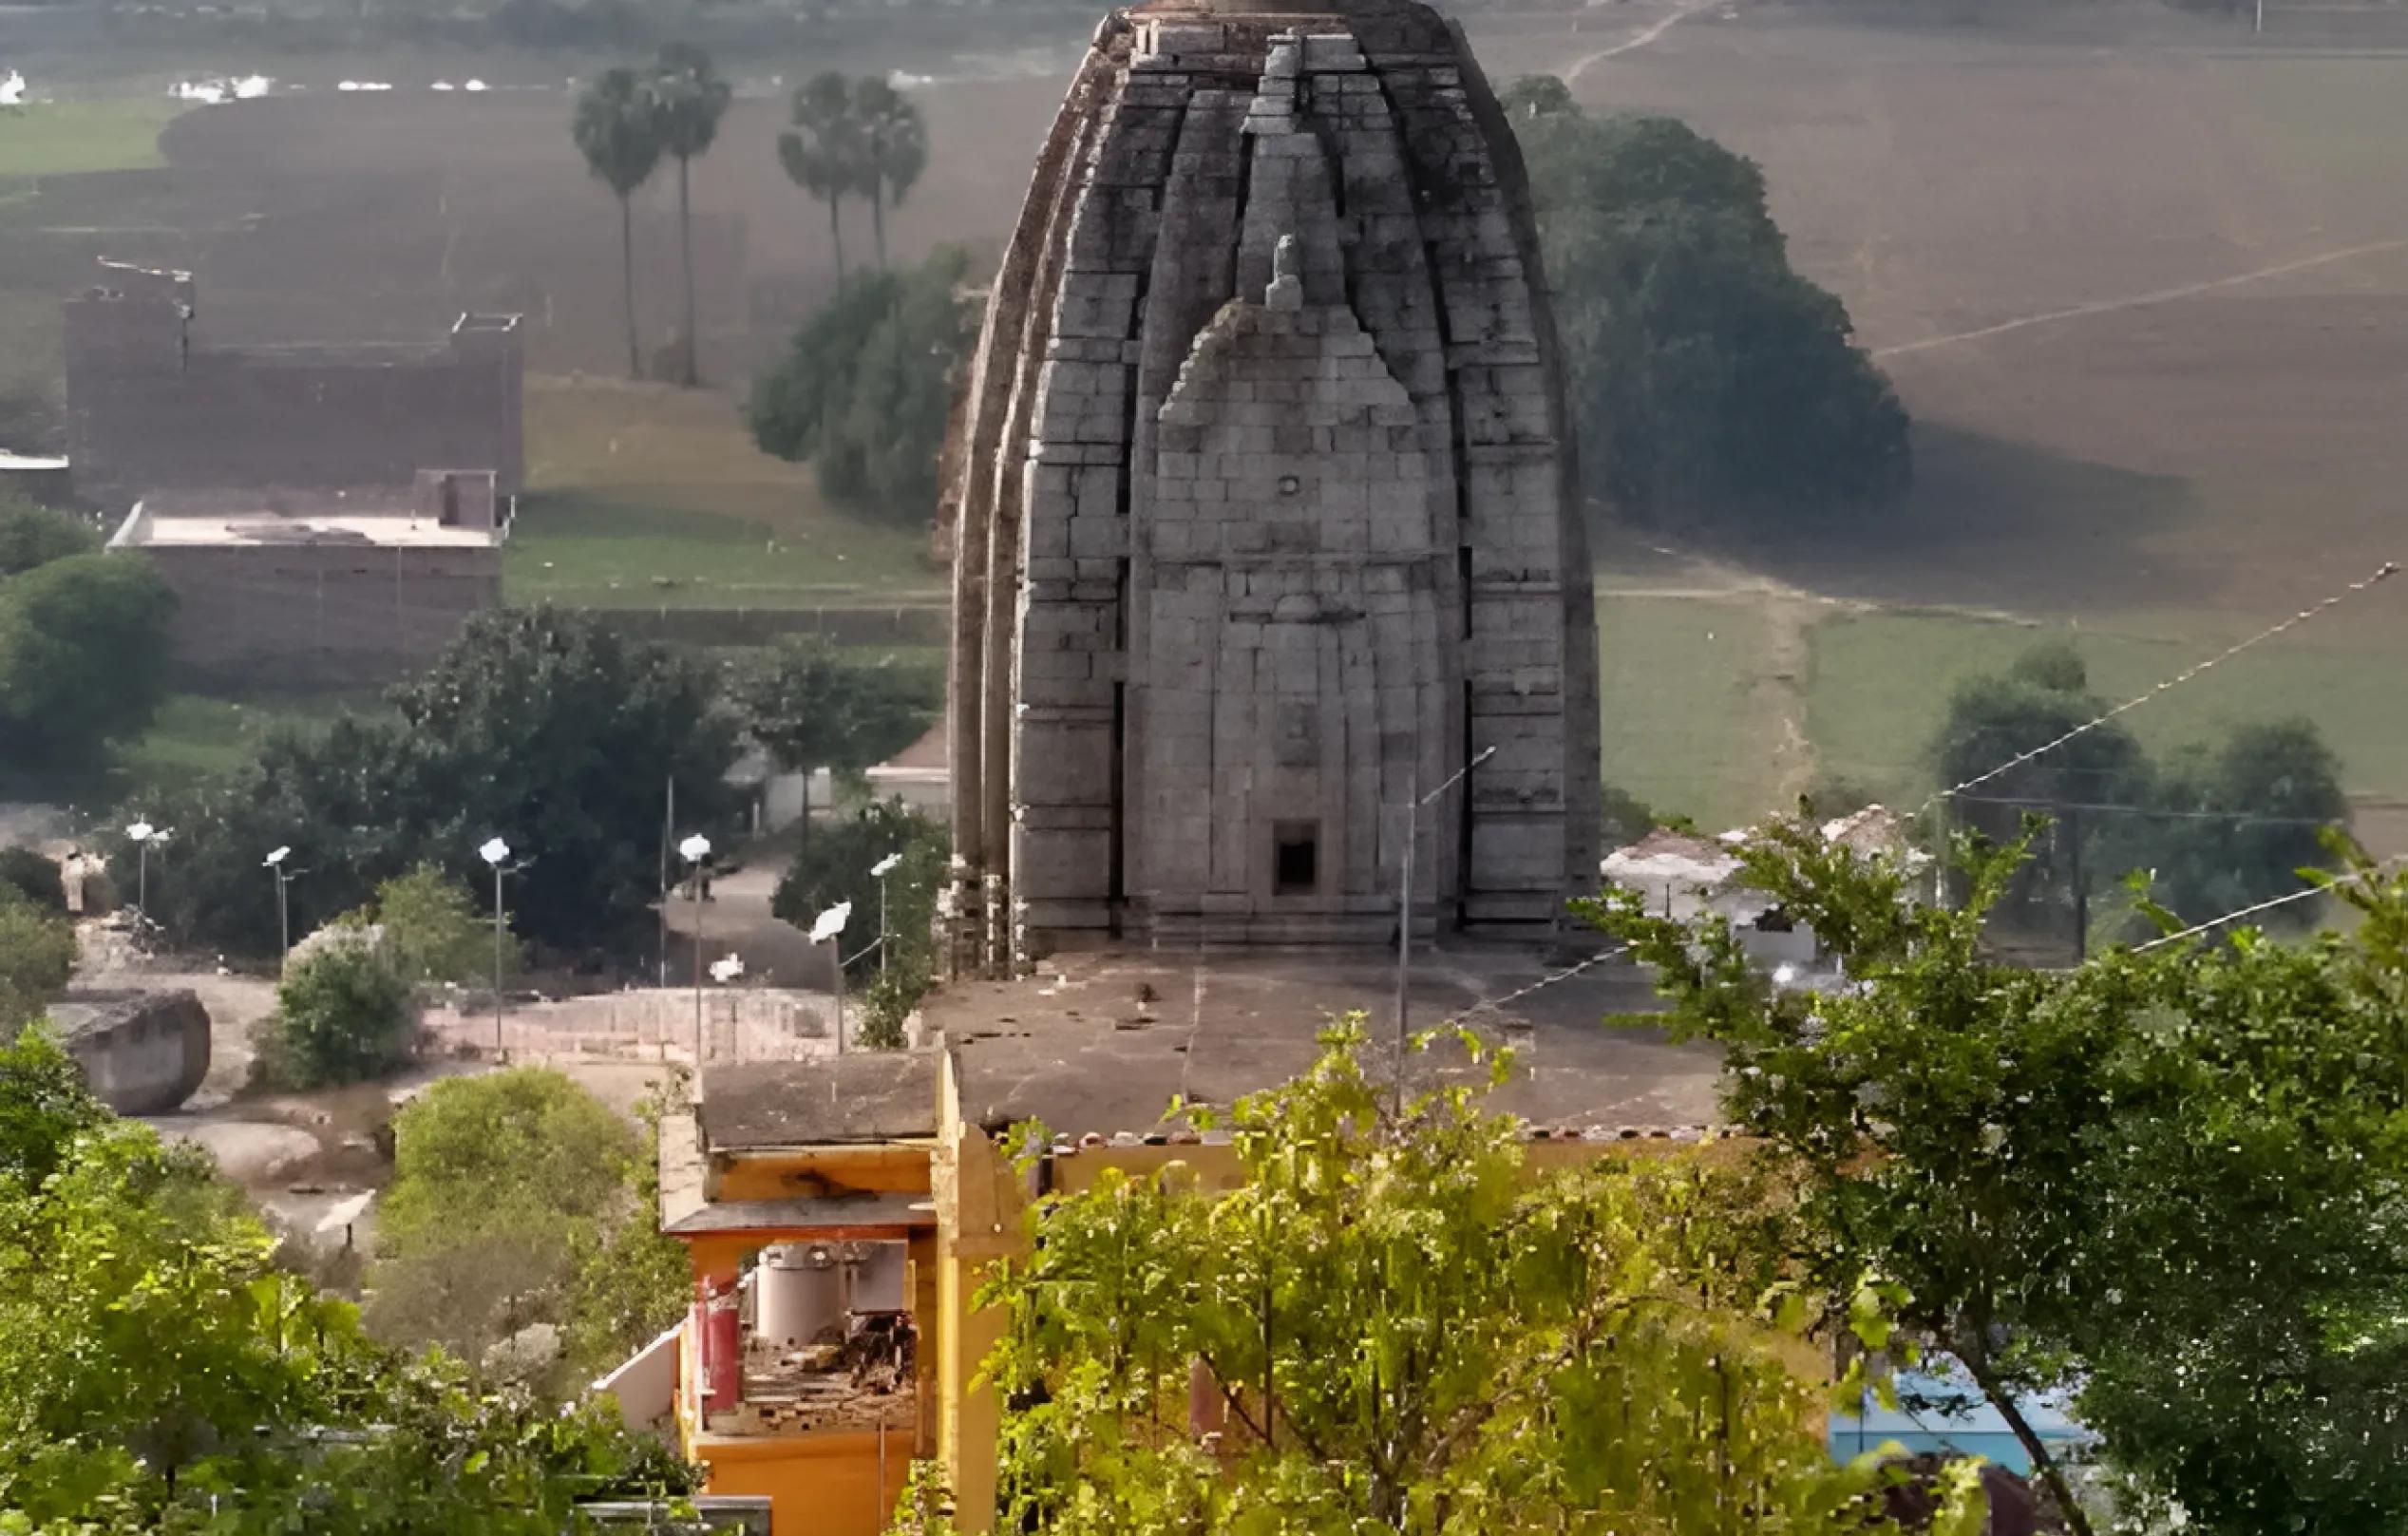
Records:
x=1264, y=513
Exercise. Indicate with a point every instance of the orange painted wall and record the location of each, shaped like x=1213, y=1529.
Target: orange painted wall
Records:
x=818, y=1484
x=890, y=1169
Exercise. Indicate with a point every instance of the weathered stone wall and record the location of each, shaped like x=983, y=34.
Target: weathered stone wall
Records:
x=1247, y=551
x=319, y=615
x=150, y=409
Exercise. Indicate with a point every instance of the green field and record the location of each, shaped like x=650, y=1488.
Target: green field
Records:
x=1681, y=728
x=641, y=495
x=1878, y=684
x=65, y=138
x=196, y=734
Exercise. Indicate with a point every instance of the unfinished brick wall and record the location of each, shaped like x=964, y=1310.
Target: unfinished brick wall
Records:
x=1247, y=548
x=150, y=408
x=319, y=615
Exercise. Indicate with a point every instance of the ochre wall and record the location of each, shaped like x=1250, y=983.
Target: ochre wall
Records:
x=818, y=1484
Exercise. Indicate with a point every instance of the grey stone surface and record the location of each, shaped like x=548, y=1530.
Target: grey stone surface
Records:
x=1265, y=512
x=143, y=1052
x=872, y=1097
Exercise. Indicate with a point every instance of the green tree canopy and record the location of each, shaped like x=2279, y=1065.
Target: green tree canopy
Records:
x=618, y=131
x=82, y=655
x=822, y=152
x=343, y=1015
x=1410, y=1329
x=546, y=728
x=689, y=97
x=812, y=704
x=1708, y=380
x=32, y=535
x=37, y=954
x=158, y=1374
x=865, y=391
x=2167, y=1180
x=894, y=150
x=835, y=866
x=432, y=930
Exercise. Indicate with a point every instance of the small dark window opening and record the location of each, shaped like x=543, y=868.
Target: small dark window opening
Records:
x=1296, y=869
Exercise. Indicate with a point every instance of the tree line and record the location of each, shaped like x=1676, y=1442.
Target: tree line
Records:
x=850, y=138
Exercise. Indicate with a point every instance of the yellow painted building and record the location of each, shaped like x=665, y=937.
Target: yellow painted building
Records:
x=845, y=1162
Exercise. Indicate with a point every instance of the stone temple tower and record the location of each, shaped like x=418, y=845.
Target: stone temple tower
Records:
x=1262, y=509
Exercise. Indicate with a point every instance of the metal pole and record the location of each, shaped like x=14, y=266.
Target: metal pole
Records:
x=836, y=956
x=499, y=1053
x=1405, y=922
x=697, y=965
x=141, y=882
x=881, y=928
x=283, y=925
x=668, y=831
x=2073, y=825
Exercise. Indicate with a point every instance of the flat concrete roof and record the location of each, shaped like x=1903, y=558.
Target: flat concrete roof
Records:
x=1098, y=1044
x=866, y=1096
x=388, y=530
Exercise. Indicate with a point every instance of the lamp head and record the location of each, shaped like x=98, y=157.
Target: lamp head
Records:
x=494, y=852
x=696, y=848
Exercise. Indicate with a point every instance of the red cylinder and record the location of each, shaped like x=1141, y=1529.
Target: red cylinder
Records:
x=722, y=1348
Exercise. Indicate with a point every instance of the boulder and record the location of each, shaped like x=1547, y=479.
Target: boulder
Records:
x=143, y=1050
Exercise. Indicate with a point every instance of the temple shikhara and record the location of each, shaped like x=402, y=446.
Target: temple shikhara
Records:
x=1264, y=516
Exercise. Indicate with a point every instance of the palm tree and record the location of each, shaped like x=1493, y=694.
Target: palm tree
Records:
x=689, y=99
x=894, y=149
x=822, y=153
x=620, y=136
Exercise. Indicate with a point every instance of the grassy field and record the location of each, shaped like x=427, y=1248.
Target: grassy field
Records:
x=1878, y=684
x=69, y=137
x=643, y=496
x=196, y=734
x=1679, y=729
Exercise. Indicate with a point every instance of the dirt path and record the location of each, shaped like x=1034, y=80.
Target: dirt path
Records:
x=1631, y=45
x=2163, y=296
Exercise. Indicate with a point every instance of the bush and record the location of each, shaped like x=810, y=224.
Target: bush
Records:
x=82, y=655
x=32, y=535
x=432, y=931
x=835, y=866
x=37, y=954
x=36, y=875
x=343, y=1015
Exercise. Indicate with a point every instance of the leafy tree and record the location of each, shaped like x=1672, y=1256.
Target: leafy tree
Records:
x=894, y=149
x=1712, y=379
x=835, y=866
x=546, y=728
x=510, y=1192
x=2166, y=1179
x=812, y=705
x=1408, y=1328
x=36, y=875
x=1995, y=718
x=619, y=134
x=343, y=1015
x=157, y=1373
x=432, y=931
x=45, y=1104
x=865, y=391
x=37, y=954
x=689, y=99
x=822, y=153
x=32, y=535
x=82, y=655
x=2246, y=819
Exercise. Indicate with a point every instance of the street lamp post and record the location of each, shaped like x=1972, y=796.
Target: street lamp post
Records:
x=829, y=929
x=1414, y=800
x=143, y=835
x=274, y=863
x=881, y=869
x=494, y=852
x=694, y=850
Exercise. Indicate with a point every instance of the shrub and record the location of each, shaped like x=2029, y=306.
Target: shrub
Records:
x=343, y=1015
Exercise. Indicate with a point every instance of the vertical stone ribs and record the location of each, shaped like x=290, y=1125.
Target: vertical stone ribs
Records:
x=1235, y=572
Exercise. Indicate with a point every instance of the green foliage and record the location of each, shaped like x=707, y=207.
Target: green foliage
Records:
x=2168, y=1178
x=82, y=656
x=1709, y=379
x=432, y=930
x=31, y=535
x=36, y=875
x=835, y=866
x=1410, y=1329
x=37, y=953
x=157, y=1373
x=812, y=704
x=618, y=131
x=343, y=1015
x=894, y=149
x=542, y=726
x=518, y=1197
x=45, y=1104
x=865, y=390
x=822, y=154
x=2220, y=829
x=1626, y=817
